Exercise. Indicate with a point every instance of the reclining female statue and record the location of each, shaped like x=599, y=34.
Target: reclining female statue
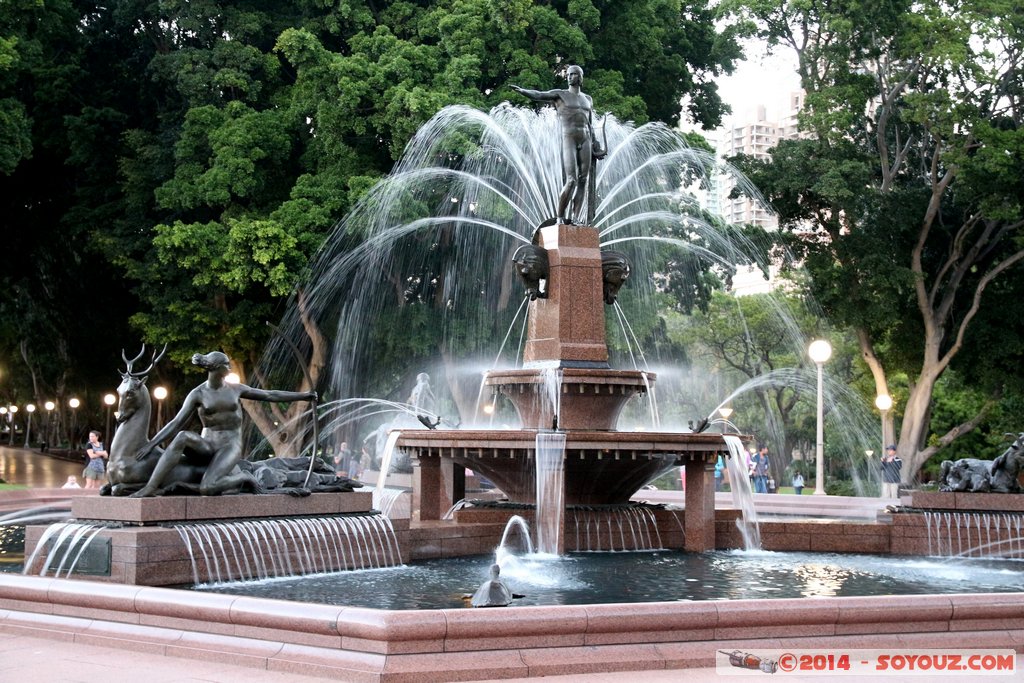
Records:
x=217, y=449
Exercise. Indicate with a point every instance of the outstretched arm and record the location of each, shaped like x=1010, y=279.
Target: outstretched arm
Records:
x=538, y=95
x=275, y=395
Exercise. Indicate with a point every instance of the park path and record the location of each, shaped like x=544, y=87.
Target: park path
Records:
x=36, y=470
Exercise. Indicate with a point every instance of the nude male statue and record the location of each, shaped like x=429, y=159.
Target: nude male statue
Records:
x=579, y=145
x=218, y=448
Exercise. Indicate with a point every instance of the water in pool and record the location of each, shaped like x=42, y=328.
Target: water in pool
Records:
x=591, y=578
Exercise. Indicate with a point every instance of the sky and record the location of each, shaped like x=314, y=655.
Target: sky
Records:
x=761, y=79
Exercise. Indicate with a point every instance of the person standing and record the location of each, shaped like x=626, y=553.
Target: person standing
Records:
x=95, y=470
x=798, y=483
x=891, y=465
x=759, y=469
x=341, y=460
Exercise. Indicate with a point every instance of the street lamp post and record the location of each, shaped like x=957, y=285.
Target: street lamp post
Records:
x=74, y=403
x=4, y=414
x=14, y=411
x=109, y=400
x=884, y=403
x=160, y=393
x=48, y=435
x=726, y=413
x=29, y=408
x=820, y=351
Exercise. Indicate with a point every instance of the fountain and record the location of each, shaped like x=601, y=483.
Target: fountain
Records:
x=566, y=388
x=568, y=400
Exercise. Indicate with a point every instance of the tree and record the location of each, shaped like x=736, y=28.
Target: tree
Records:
x=204, y=149
x=904, y=201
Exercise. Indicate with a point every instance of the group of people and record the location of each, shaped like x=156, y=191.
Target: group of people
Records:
x=348, y=463
x=759, y=470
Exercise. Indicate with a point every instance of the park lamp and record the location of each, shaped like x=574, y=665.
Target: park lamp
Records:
x=74, y=403
x=49, y=405
x=31, y=407
x=819, y=351
x=14, y=409
x=232, y=378
x=725, y=412
x=160, y=393
x=884, y=403
x=109, y=399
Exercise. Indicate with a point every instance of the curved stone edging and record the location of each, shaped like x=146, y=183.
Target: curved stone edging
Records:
x=380, y=645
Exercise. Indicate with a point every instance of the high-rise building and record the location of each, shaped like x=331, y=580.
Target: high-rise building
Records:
x=754, y=133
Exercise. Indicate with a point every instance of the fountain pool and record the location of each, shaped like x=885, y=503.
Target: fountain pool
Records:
x=597, y=578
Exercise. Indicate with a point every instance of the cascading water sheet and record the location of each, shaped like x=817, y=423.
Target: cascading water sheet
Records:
x=742, y=496
x=550, y=463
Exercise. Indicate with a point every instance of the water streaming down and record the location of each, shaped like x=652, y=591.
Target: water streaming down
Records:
x=631, y=528
x=479, y=201
x=385, y=468
x=387, y=500
x=550, y=510
x=742, y=497
x=70, y=541
x=850, y=426
x=266, y=548
x=974, y=534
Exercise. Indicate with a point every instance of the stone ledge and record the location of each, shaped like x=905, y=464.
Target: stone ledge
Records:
x=948, y=500
x=197, y=508
x=439, y=645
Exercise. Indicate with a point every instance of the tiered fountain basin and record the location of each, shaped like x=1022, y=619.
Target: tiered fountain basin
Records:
x=601, y=467
x=590, y=398
x=137, y=544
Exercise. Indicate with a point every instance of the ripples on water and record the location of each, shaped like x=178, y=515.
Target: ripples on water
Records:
x=12, y=548
x=591, y=578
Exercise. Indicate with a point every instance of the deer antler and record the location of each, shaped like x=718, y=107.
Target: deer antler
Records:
x=142, y=373
x=128, y=363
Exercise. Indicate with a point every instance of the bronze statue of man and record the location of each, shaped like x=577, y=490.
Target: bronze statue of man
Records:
x=579, y=145
x=218, y=447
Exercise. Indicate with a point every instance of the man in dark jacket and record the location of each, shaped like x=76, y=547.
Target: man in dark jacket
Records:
x=891, y=466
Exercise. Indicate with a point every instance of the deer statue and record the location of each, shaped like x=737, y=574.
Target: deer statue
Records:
x=125, y=474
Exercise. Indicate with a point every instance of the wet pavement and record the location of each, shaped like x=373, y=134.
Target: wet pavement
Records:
x=36, y=470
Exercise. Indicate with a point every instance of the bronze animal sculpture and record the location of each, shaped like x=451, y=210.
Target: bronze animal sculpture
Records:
x=128, y=474
x=615, y=272
x=970, y=475
x=125, y=473
x=492, y=592
x=967, y=475
x=531, y=265
x=288, y=475
x=1007, y=467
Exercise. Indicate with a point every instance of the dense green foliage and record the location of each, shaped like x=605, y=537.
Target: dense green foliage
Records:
x=176, y=164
